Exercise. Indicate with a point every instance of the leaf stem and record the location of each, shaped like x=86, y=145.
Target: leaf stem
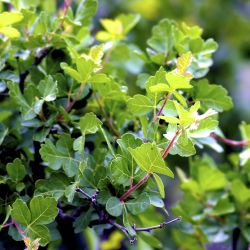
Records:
x=108, y=142
x=107, y=119
x=162, y=107
x=229, y=141
x=162, y=225
x=171, y=143
x=133, y=188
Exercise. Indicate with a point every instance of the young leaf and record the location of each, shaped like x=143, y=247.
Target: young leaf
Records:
x=160, y=185
x=140, y=105
x=148, y=157
x=89, y=123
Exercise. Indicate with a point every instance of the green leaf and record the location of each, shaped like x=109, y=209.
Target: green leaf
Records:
x=128, y=21
x=170, y=119
x=177, y=81
x=43, y=210
x=114, y=206
x=183, y=62
x=126, y=141
x=54, y=186
x=240, y=192
x=60, y=155
x=211, y=178
x=82, y=221
x=16, y=170
x=85, y=68
x=8, y=18
x=48, y=89
x=211, y=96
x=9, y=32
x=40, y=232
x=70, y=192
x=20, y=212
x=160, y=185
x=126, y=222
x=26, y=109
x=99, y=78
x=162, y=39
x=118, y=169
x=71, y=72
x=138, y=205
x=148, y=157
x=160, y=87
x=86, y=9
x=140, y=105
x=224, y=206
x=89, y=123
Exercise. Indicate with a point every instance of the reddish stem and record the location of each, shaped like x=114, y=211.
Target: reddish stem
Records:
x=162, y=107
x=170, y=145
x=136, y=186
x=66, y=6
x=229, y=141
x=8, y=224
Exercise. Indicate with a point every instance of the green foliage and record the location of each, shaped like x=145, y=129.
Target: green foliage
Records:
x=80, y=142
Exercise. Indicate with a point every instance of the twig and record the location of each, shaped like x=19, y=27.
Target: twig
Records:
x=162, y=225
x=8, y=224
x=133, y=188
x=132, y=240
x=162, y=107
x=170, y=145
x=229, y=141
x=79, y=190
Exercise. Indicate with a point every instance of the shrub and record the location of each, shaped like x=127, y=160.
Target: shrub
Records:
x=88, y=125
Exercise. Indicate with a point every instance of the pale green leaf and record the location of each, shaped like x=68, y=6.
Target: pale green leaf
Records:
x=140, y=105
x=148, y=157
x=89, y=123
x=160, y=185
x=8, y=18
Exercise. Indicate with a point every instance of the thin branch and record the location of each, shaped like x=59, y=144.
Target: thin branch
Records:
x=7, y=224
x=79, y=190
x=162, y=225
x=171, y=143
x=133, y=188
x=132, y=240
x=162, y=107
x=229, y=141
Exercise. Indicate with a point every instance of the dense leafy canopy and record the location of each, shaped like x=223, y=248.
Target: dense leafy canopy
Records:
x=79, y=141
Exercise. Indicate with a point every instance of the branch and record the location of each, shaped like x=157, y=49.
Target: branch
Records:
x=38, y=59
x=162, y=225
x=132, y=240
x=162, y=107
x=133, y=188
x=170, y=145
x=229, y=141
